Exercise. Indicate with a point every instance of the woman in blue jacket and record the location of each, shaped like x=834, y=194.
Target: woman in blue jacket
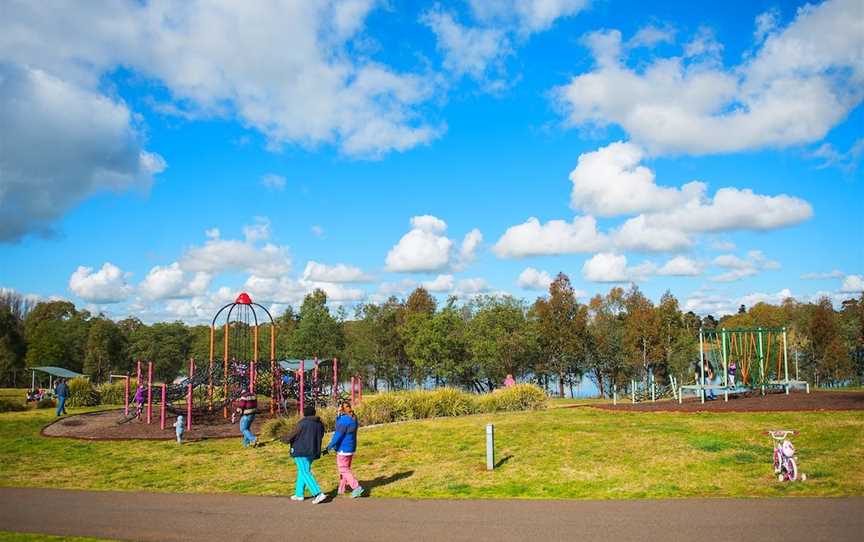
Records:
x=344, y=441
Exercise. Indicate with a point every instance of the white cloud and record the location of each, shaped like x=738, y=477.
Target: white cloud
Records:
x=610, y=267
x=259, y=231
x=835, y=274
x=426, y=248
x=441, y=283
x=317, y=231
x=61, y=143
x=467, y=50
x=555, y=237
x=775, y=299
x=171, y=282
x=739, y=268
x=532, y=279
x=853, y=284
x=845, y=161
x=219, y=255
x=336, y=293
x=651, y=35
x=108, y=285
x=213, y=233
x=798, y=84
x=273, y=181
x=336, y=273
x=471, y=286
x=528, y=16
x=651, y=235
x=680, y=266
x=305, y=86
x=610, y=181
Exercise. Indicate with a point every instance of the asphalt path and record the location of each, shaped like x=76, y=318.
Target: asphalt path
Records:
x=166, y=517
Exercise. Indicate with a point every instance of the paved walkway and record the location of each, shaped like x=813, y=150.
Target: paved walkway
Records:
x=165, y=517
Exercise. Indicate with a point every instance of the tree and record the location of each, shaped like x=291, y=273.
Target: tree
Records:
x=56, y=335
x=12, y=346
x=671, y=326
x=105, y=349
x=562, y=327
x=420, y=302
x=498, y=338
x=641, y=331
x=606, y=350
x=318, y=334
x=168, y=346
x=437, y=347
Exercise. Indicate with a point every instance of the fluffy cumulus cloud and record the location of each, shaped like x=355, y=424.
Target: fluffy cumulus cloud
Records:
x=533, y=279
x=797, y=83
x=426, y=248
x=466, y=50
x=610, y=267
x=221, y=255
x=171, y=282
x=853, y=284
x=738, y=268
x=532, y=238
x=334, y=273
x=527, y=16
x=107, y=285
x=440, y=284
x=61, y=143
x=680, y=266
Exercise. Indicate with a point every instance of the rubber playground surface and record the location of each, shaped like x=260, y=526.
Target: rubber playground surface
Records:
x=166, y=517
x=796, y=401
x=103, y=425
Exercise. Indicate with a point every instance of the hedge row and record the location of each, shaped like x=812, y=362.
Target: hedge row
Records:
x=417, y=405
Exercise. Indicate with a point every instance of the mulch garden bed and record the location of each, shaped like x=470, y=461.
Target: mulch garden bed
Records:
x=773, y=402
x=103, y=426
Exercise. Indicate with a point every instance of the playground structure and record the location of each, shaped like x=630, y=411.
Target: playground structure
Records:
x=212, y=388
x=760, y=356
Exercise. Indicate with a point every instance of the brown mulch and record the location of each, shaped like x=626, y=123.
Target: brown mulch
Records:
x=772, y=402
x=103, y=426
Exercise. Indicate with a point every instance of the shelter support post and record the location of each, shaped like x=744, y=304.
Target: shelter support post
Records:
x=302, y=402
x=126, y=397
x=701, y=367
x=785, y=363
x=162, y=409
x=149, y=391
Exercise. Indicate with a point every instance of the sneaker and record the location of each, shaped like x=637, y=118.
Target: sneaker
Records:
x=296, y=498
x=357, y=492
x=319, y=498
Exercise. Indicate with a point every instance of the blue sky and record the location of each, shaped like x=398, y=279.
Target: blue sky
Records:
x=400, y=144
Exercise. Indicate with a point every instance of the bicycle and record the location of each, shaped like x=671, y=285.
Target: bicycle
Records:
x=785, y=461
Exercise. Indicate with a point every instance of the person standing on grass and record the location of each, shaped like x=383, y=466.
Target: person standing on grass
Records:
x=344, y=441
x=62, y=392
x=709, y=380
x=247, y=407
x=180, y=427
x=305, y=441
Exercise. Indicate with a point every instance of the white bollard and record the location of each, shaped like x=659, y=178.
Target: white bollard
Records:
x=490, y=446
x=614, y=395
x=653, y=396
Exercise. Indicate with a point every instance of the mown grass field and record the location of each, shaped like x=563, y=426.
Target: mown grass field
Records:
x=557, y=453
x=6, y=536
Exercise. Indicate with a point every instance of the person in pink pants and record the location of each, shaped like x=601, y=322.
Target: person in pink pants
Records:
x=344, y=442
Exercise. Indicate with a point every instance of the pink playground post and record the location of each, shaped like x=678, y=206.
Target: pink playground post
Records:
x=126, y=398
x=189, y=408
x=302, y=385
x=359, y=389
x=149, y=391
x=352, y=390
x=335, y=378
x=138, y=376
x=162, y=408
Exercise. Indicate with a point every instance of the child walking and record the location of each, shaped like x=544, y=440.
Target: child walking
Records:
x=344, y=441
x=305, y=440
x=180, y=425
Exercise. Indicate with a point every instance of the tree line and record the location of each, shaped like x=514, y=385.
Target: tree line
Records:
x=402, y=343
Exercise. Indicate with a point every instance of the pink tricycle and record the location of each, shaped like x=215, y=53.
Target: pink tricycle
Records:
x=785, y=462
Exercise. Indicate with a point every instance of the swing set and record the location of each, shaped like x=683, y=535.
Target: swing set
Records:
x=760, y=357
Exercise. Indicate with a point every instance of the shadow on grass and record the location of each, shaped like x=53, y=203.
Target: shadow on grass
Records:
x=503, y=460
x=370, y=485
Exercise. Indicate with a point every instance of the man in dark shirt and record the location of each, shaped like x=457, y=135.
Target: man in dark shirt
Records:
x=62, y=392
x=247, y=407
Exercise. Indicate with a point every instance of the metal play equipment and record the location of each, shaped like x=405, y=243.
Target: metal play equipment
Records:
x=241, y=354
x=759, y=356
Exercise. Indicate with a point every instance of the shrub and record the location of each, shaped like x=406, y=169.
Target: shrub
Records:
x=112, y=394
x=8, y=405
x=452, y=402
x=82, y=393
x=519, y=397
x=276, y=428
x=46, y=402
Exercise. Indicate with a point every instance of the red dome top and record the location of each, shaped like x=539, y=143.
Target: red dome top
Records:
x=243, y=299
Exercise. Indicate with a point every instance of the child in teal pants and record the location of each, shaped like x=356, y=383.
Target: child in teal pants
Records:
x=305, y=440
x=305, y=478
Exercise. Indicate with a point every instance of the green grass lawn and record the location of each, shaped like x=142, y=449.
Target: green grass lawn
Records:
x=6, y=536
x=557, y=453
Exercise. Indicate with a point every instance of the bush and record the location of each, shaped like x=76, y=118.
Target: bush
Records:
x=82, y=393
x=8, y=405
x=112, y=394
x=516, y=398
x=46, y=402
x=276, y=428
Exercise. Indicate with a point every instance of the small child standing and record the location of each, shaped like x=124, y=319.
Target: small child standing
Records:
x=180, y=424
x=344, y=441
x=732, y=370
